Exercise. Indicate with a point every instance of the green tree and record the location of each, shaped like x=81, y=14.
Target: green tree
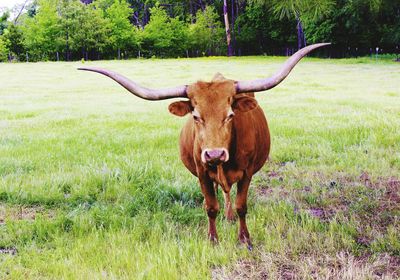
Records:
x=357, y=27
x=43, y=31
x=3, y=21
x=262, y=32
x=389, y=25
x=179, y=38
x=122, y=32
x=312, y=9
x=3, y=50
x=103, y=4
x=84, y=29
x=164, y=36
x=206, y=35
x=14, y=41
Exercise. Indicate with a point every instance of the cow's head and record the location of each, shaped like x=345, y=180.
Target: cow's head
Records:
x=212, y=105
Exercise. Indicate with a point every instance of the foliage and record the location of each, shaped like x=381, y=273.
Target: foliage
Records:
x=3, y=21
x=300, y=8
x=121, y=28
x=123, y=34
x=42, y=32
x=270, y=33
x=14, y=41
x=3, y=49
x=164, y=36
x=358, y=26
x=89, y=29
x=85, y=27
x=206, y=35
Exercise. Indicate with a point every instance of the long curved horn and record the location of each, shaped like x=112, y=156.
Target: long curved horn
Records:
x=268, y=83
x=139, y=91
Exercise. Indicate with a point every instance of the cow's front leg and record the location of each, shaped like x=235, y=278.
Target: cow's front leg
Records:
x=211, y=205
x=241, y=208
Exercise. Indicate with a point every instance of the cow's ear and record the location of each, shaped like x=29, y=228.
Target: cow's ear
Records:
x=180, y=108
x=244, y=103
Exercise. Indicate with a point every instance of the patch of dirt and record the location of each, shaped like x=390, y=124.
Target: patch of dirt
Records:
x=264, y=191
x=387, y=203
x=8, y=251
x=392, y=194
x=363, y=240
x=341, y=266
x=374, y=203
x=387, y=196
x=322, y=214
x=364, y=178
x=28, y=213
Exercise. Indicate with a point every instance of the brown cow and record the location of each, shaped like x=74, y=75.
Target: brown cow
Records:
x=227, y=139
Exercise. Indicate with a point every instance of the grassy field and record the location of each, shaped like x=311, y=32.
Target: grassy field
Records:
x=91, y=185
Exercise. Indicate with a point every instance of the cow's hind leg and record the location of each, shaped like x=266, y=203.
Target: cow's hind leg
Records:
x=212, y=207
x=241, y=208
x=228, y=207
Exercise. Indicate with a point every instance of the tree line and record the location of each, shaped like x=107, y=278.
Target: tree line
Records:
x=108, y=29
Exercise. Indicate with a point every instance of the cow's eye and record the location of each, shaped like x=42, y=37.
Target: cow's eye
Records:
x=229, y=117
x=197, y=119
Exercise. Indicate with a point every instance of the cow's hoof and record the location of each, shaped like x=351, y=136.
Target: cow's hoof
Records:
x=246, y=242
x=213, y=239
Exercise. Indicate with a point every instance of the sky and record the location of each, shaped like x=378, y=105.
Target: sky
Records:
x=9, y=3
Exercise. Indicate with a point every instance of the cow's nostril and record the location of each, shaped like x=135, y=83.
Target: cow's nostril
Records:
x=222, y=156
x=215, y=155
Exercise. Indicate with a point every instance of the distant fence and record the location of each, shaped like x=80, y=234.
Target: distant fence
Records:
x=329, y=52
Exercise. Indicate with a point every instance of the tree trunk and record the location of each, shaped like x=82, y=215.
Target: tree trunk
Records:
x=239, y=51
x=227, y=29
x=301, y=39
x=145, y=15
x=20, y=11
x=119, y=54
x=233, y=18
x=66, y=47
x=201, y=5
x=135, y=16
x=192, y=13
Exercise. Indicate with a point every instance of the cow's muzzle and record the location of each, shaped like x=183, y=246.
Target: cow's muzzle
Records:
x=215, y=156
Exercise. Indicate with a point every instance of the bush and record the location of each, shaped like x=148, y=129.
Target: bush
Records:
x=164, y=36
x=206, y=35
x=3, y=50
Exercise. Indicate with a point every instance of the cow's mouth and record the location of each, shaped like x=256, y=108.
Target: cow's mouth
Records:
x=214, y=163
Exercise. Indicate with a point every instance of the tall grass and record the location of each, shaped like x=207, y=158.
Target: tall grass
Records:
x=92, y=186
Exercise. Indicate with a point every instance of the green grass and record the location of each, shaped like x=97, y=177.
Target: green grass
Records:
x=91, y=185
